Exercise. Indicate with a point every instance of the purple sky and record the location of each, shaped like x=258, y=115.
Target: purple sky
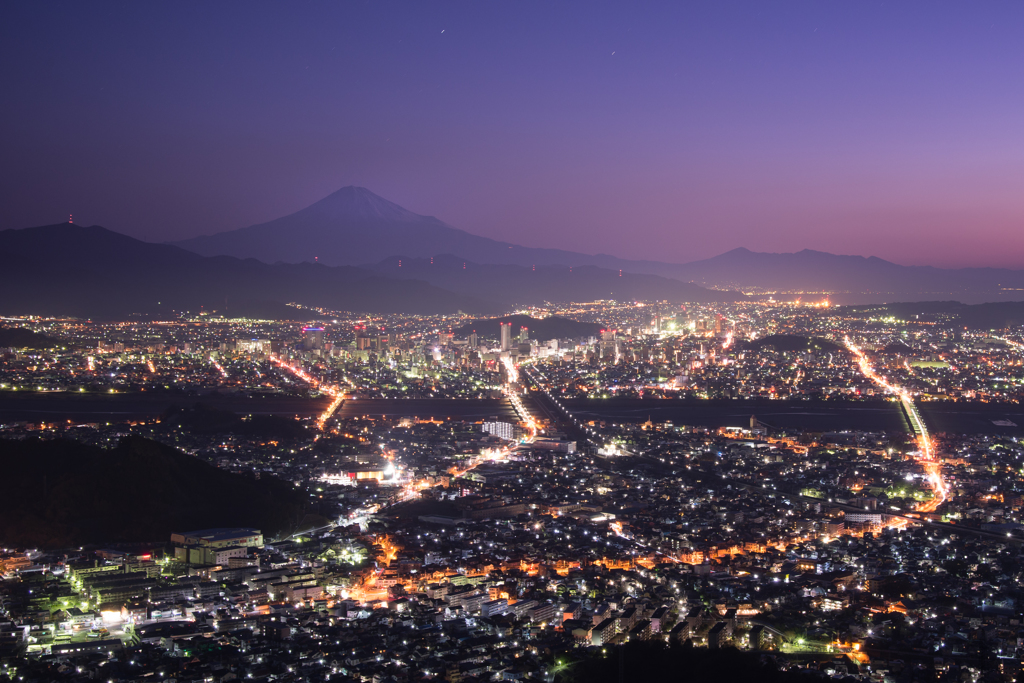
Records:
x=673, y=131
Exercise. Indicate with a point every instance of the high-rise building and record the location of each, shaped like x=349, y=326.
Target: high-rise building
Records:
x=502, y=430
x=472, y=340
x=506, y=336
x=362, y=338
x=524, y=335
x=261, y=346
x=313, y=338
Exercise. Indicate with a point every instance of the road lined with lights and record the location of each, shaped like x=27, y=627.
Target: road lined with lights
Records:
x=220, y=368
x=412, y=489
x=571, y=420
x=927, y=459
x=329, y=389
x=510, y=391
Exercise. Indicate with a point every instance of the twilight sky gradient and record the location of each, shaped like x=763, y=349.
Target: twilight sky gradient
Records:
x=670, y=131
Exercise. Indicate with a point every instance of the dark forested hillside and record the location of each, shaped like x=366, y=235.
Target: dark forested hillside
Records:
x=93, y=272
x=57, y=494
x=543, y=329
x=654, y=661
x=793, y=342
x=22, y=338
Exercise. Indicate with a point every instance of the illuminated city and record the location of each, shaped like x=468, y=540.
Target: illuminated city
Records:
x=542, y=342
x=767, y=466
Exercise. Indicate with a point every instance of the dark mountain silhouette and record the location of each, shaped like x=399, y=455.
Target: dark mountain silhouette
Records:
x=67, y=269
x=21, y=338
x=852, y=279
x=511, y=284
x=541, y=329
x=354, y=226
x=65, y=493
x=897, y=349
x=996, y=315
x=793, y=342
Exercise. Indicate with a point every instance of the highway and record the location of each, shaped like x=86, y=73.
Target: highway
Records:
x=557, y=413
x=512, y=375
x=926, y=455
x=329, y=389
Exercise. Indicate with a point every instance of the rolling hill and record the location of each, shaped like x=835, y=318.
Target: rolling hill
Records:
x=511, y=284
x=64, y=493
x=851, y=279
x=22, y=338
x=541, y=329
x=952, y=314
x=66, y=269
x=793, y=343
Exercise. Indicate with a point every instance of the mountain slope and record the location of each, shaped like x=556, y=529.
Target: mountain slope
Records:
x=541, y=329
x=354, y=226
x=67, y=269
x=995, y=315
x=64, y=493
x=511, y=284
x=855, y=278
x=22, y=338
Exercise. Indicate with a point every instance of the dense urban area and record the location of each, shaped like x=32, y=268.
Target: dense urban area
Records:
x=836, y=492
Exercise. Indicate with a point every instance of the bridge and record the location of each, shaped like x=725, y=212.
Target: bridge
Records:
x=932, y=467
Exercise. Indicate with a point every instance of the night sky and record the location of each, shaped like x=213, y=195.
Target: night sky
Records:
x=672, y=131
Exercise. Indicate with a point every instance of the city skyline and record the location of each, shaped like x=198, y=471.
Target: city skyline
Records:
x=472, y=342
x=807, y=487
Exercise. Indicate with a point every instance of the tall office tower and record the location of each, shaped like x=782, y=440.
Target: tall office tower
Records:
x=313, y=338
x=524, y=335
x=506, y=336
x=362, y=337
x=657, y=319
x=472, y=340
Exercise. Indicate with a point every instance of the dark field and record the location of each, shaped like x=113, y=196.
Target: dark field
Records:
x=59, y=406
x=805, y=415
x=960, y=418
x=972, y=418
x=440, y=408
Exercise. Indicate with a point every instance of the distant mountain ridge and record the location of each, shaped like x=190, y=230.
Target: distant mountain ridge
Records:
x=67, y=269
x=853, y=279
x=541, y=329
x=71, y=270
x=354, y=226
x=510, y=285
x=995, y=315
